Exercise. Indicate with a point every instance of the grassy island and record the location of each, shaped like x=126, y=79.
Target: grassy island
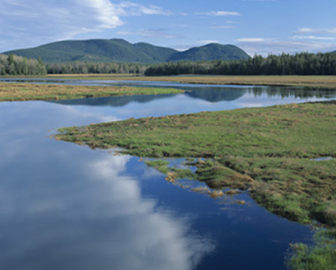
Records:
x=269, y=151
x=26, y=91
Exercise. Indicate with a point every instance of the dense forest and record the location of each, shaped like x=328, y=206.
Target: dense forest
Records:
x=284, y=64
x=88, y=67
x=17, y=65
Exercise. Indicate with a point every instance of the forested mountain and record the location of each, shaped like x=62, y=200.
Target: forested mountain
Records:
x=119, y=50
x=96, y=50
x=210, y=52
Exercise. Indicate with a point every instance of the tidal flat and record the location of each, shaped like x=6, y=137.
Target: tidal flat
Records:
x=266, y=151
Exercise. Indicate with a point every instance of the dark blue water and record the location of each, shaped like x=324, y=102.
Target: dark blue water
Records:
x=65, y=206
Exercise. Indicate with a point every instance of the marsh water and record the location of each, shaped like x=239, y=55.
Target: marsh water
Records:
x=65, y=206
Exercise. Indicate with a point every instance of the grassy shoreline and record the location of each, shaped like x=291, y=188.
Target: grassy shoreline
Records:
x=26, y=91
x=268, y=151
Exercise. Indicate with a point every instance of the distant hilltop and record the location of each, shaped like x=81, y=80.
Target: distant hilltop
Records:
x=119, y=50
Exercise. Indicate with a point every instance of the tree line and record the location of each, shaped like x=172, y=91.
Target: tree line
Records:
x=91, y=67
x=17, y=65
x=284, y=64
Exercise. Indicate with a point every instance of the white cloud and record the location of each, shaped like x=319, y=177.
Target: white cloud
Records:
x=106, y=12
x=314, y=37
x=39, y=21
x=203, y=42
x=134, y=9
x=220, y=13
x=306, y=30
x=265, y=46
x=250, y=40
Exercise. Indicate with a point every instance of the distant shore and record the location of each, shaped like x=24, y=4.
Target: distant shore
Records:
x=307, y=81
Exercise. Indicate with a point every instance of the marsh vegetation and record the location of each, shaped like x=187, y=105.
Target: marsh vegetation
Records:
x=267, y=151
x=21, y=91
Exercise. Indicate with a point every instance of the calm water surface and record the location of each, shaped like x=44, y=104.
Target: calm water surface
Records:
x=64, y=206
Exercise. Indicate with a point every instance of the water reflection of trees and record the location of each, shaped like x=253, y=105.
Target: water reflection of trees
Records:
x=297, y=92
x=212, y=94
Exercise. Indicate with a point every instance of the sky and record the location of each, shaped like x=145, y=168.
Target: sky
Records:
x=257, y=26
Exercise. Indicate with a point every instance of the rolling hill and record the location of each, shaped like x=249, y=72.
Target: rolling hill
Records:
x=119, y=50
x=211, y=51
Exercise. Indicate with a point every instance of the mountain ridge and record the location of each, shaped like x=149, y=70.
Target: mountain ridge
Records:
x=211, y=51
x=120, y=50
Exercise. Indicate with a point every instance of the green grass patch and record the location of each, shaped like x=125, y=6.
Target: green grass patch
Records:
x=160, y=165
x=163, y=166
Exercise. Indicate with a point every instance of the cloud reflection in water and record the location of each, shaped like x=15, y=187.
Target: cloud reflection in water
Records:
x=63, y=206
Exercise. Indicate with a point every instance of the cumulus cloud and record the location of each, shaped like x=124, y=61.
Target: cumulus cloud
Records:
x=36, y=22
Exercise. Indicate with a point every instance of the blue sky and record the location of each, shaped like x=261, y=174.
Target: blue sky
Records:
x=257, y=26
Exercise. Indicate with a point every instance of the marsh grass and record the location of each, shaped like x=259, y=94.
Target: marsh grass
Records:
x=320, y=256
x=163, y=166
x=267, y=151
x=160, y=165
x=25, y=91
